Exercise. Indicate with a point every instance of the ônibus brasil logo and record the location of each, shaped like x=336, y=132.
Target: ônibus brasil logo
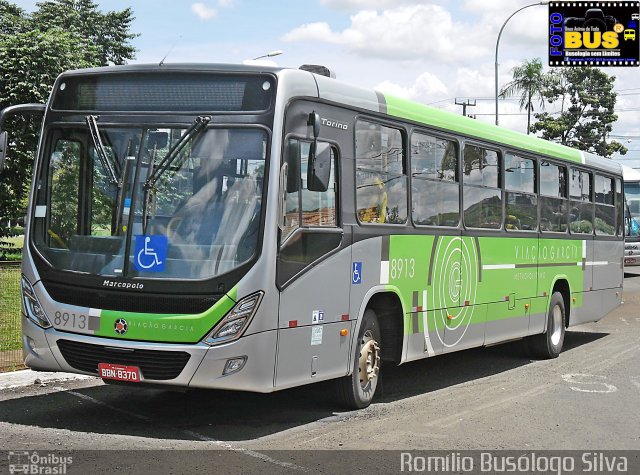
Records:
x=121, y=326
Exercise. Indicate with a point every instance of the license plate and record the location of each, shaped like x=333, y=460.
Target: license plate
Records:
x=119, y=372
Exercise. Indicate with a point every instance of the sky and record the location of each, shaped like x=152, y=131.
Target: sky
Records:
x=434, y=52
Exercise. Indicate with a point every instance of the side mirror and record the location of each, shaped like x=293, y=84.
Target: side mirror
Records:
x=319, y=168
x=314, y=121
x=13, y=110
x=4, y=142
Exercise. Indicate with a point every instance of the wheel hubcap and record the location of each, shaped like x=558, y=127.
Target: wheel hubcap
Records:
x=557, y=325
x=369, y=361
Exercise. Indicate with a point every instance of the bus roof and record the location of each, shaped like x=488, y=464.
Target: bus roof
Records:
x=630, y=174
x=332, y=89
x=338, y=91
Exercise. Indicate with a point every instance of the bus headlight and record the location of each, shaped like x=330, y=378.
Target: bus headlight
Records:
x=232, y=326
x=30, y=305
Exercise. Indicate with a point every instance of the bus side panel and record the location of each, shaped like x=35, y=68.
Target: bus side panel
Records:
x=507, y=283
x=607, y=268
x=538, y=315
x=402, y=265
x=562, y=259
x=312, y=307
x=592, y=306
x=506, y=321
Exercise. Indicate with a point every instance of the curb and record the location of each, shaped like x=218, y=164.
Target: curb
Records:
x=27, y=377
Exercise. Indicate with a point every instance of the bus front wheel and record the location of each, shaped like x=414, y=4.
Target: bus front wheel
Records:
x=357, y=390
x=549, y=344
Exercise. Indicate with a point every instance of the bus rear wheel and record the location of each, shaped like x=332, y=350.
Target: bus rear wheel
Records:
x=549, y=344
x=357, y=390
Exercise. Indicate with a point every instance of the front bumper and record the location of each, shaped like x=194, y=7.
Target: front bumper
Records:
x=203, y=369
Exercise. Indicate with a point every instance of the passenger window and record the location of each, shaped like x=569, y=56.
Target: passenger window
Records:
x=553, y=202
x=435, y=190
x=519, y=174
x=520, y=200
x=482, y=196
x=381, y=180
x=605, y=220
x=580, y=206
x=481, y=167
x=553, y=180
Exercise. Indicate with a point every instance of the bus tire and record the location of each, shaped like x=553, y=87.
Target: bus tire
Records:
x=357, y=390
x=549, y=344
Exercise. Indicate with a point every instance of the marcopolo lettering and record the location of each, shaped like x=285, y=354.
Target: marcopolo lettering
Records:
x=123, y=285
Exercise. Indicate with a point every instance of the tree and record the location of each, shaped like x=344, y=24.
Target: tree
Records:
x=529, y=82
x=109, y=32
x=586, y=100
x=34, y=50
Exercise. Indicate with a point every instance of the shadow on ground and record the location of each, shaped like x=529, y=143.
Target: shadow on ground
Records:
x=223, y=415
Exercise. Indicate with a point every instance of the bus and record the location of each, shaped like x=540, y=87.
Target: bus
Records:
x=631, y=179
x=254, y=229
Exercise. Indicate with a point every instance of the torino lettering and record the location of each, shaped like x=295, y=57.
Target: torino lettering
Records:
x=334, y=123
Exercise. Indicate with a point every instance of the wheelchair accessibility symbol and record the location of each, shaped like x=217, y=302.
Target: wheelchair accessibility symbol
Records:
x=150, y=253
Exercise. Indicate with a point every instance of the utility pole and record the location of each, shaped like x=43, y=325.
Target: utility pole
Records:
x=465, y=104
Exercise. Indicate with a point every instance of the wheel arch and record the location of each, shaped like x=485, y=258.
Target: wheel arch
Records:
x=561, y=284
x=388, y=306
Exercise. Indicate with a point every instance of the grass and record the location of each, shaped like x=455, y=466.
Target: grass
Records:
x=7, y=244
x=10, y=325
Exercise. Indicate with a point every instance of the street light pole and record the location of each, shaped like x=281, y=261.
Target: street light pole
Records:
x=271, y=54
x=498, y=43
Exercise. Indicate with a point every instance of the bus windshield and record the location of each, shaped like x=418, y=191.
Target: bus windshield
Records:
x=632, y=211
x=632, y=195
x=99, y=212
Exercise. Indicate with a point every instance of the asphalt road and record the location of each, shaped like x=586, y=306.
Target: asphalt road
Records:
x=491, y=398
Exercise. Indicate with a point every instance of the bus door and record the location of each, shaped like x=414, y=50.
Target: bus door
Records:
x=313, y=266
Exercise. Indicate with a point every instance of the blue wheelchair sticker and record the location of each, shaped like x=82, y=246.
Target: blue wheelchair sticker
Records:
x=356, y=273
x=150, y=253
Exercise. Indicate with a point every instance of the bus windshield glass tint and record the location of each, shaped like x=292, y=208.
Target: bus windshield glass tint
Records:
x=200, y=218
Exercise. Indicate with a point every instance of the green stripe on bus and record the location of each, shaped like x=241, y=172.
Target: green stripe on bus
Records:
x=165, y=327
x=454, y=123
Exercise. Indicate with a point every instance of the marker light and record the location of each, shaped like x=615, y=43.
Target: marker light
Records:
x=232, y=326
x=31, y=308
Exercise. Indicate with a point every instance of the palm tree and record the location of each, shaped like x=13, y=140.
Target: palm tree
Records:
x=529, y=82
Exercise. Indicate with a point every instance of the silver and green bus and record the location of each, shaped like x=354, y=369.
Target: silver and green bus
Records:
x=252, y=228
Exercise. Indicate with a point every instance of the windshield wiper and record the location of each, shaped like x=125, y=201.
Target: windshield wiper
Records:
x=193, y=130
x=111, y=167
